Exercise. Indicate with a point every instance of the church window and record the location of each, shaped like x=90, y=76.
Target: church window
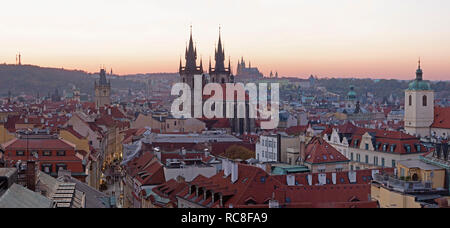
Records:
x=425, y=101
x=410, y=100
x=223, y=80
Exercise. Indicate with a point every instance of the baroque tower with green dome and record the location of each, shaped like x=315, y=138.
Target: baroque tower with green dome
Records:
x=419, y=106
x=350, y=103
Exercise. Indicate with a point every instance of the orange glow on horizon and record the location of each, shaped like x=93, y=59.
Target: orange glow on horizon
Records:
x=327, y=38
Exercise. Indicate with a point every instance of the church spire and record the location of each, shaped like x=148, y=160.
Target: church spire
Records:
x=419, y=72
x=191, y=55
x=210, y=67
x=220, y=55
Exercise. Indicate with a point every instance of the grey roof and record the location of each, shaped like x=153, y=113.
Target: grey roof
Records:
x=94, y=198
x=419, y=164
x=7, y=172
x=20, y=197
x=193, y=138
x=63, y=194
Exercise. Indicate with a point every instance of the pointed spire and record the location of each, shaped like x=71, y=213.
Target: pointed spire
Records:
x=229, y=64
x=201, y=64
x=210, y=68
x=191, y=55
x=220, y=55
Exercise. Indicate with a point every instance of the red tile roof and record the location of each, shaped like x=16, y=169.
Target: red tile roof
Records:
x=390, y=138
x=38, y=144
x=318, y=151
x=296, y=130
x=170, y=190
x=441, y=117
x=254, y=188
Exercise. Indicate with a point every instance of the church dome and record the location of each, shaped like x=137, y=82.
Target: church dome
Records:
x=419, y=85
x=351, y=94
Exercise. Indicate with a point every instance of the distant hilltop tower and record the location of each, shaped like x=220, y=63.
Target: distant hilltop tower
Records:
x=419, y=106
x=102, y=90
x=19, y=59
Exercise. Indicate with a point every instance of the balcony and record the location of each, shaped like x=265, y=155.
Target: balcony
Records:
x=404, y=186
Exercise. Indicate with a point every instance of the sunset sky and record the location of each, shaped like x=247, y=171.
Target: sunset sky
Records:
x=327, y=38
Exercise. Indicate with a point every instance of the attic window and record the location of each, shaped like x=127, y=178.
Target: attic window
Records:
x=263, y=179
x=393, y=148
x=418, y=148
x=408, y=148
x=385, y=147
x=356, y=143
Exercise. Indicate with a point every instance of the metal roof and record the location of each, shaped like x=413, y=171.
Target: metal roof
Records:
x=20, y=197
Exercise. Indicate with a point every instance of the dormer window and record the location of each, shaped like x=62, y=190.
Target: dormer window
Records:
x=408, y=148
x=393, y=148
x=385, y=147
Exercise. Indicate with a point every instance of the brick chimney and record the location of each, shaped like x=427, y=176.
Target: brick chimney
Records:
x=31, y=175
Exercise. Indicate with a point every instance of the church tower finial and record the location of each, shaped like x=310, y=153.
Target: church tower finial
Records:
x=419, y=72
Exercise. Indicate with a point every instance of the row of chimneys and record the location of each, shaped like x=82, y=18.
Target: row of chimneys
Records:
x=290, y=179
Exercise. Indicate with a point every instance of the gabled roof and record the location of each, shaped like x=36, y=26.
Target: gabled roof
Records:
x=252, y=183
x=41, y=144
x=318, y=151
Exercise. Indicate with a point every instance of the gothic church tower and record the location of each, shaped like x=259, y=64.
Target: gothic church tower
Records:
x=102, y=91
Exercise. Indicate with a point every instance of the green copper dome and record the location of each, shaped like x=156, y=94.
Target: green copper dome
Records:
x=419, y=85
x=351, y=95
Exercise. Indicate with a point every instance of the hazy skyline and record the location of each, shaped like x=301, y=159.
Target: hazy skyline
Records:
x=327, y=38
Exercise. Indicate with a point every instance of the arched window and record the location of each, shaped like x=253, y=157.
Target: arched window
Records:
x=223, y=80
x=424, y=101
x=410, y=100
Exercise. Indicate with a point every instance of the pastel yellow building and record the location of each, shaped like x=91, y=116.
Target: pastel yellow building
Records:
x=417, y=170
x=5, y=135
x=387, y=198
x=417, y=185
